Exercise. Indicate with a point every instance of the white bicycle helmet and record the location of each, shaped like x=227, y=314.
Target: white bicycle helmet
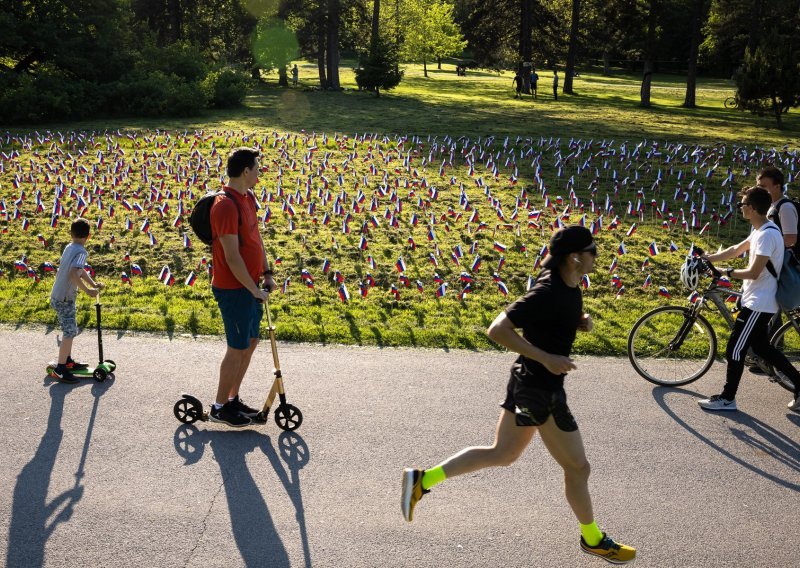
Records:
x=690, y=272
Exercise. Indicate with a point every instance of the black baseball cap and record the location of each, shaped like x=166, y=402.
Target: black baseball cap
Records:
x=567, y=240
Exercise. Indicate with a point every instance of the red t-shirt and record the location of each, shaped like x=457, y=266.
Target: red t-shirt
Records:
x=225, y=221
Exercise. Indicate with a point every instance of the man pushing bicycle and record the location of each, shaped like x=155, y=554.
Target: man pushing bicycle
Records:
x=759, y=305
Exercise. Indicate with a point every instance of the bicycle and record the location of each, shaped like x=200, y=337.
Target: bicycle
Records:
x=674, y=345
x=732, y=103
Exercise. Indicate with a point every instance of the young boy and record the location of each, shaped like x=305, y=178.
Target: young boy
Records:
x=69, y=278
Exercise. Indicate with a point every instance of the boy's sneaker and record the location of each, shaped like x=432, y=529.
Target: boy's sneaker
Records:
x=794, y=404
x=227, y=414
x=608, y=550
x=716, y=402
x=412, y=492
x=73, y=365
x=243, y=409
x=63, y=375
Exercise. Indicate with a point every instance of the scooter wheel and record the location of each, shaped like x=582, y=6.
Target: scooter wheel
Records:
x=100, y=375
x=187, y=411
x=288, y=417
x=111, y=365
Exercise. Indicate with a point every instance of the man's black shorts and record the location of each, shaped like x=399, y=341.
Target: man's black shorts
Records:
x=532, y=406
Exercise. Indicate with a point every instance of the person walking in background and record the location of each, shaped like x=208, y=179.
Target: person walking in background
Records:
x=555, y=83
x=517, y=82
x=534, y=81
x=549, y=315
x=294, y=75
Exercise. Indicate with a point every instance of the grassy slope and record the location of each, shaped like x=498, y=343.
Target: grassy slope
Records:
x=477, y=105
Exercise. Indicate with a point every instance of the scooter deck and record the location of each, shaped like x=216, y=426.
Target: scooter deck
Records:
x=88, y=373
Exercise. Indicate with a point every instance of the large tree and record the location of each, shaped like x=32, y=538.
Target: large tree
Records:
x=430, y=32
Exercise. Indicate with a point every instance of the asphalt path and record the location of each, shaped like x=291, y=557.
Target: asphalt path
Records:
x=102, y=474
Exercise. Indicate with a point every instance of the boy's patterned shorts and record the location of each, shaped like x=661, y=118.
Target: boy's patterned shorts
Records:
x=65, y=309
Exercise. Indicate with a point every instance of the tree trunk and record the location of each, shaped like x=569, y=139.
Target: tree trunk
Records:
x=424, y=66
x=573, y=46
x=691, y=79
x=606, y=64
x=323, y=81
x=333, y=44
x=376, y=17
x=647, y=79
x=755, y=25
x=525, y=48
x=439, y=63
x=175, y=21
x=283, y=80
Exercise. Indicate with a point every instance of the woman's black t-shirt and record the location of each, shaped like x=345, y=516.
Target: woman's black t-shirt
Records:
x=549, y=315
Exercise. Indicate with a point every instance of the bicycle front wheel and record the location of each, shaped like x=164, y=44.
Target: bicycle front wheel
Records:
x=787, y=340
x=730, y=102
x=671, y=347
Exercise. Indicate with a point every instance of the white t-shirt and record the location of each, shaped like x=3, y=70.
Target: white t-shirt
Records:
x=759, y=294
x=787, y=215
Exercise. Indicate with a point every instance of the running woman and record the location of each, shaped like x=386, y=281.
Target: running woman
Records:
x=549, y=315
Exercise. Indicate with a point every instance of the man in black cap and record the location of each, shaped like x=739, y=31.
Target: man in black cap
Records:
x=549, y=315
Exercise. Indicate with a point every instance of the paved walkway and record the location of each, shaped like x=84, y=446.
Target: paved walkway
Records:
x=103, y=474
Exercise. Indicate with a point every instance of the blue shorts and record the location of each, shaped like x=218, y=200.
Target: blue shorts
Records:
x=241, y=314
x=65, y=309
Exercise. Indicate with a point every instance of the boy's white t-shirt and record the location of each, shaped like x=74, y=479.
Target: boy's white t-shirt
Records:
x=759, y=294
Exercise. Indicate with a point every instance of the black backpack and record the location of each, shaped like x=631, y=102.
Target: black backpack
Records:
x=200, y=218
x=776, y=218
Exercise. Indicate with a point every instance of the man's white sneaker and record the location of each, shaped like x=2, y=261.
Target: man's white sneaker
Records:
x=716, y=402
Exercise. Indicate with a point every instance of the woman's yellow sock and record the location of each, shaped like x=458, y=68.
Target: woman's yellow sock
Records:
x=433, y=476
x=591, y=533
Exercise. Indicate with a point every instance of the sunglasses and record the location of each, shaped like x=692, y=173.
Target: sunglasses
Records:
x=742, y=204
x=591, y=249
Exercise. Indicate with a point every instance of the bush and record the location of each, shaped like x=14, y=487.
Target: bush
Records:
x=226, y=87
x=158, y=94
x=47, y=95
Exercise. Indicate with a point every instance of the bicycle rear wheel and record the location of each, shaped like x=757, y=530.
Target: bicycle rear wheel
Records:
x=669, y=346
x=787, y=340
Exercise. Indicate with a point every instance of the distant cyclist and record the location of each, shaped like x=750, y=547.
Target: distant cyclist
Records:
x=549, y=315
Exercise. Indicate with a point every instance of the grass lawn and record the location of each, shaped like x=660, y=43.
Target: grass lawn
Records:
x=689, y=156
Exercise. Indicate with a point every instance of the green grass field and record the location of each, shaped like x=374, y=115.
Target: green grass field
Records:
x=150, y=170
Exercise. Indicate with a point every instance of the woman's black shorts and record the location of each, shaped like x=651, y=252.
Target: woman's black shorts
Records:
x=532, y=406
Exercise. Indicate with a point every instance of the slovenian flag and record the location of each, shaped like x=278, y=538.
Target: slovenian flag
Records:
x=476, y=264
x=371, y=262
x=501, y=287
x=285, y=285
x=190, y=280
x=326, y=266
x=664, y=292
x=145, y=226
x=620, y=292
x=344, y=295
x=126, y=279
x=420, y=287
x=363, y=243
x=673, y=247
x=164, y=273
x=647, y=281
x=653, y=248
x=613, y=266
x=187, y=243
x=632, y=230
x=616, y=281
x=136, y=270
x=441, y=290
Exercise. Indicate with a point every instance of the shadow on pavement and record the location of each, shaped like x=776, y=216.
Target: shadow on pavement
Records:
x=251, y=523
x=763, y=437
x=33, y=518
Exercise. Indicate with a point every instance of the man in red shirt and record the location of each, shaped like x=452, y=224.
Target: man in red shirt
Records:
x=240, y=263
